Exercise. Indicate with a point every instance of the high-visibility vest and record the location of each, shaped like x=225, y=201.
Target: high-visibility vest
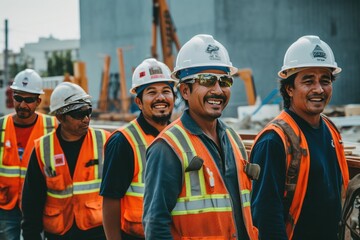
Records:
x=12, y=169
x=204, y=206
x=132, y=202
x=298, y=160
x=76, y=197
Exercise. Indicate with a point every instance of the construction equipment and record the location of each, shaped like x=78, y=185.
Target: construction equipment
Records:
x=162, y=19
x=247, y=76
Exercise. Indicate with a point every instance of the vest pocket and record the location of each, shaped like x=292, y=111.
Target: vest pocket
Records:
x=4, y=191
x=93, y=214
x=133, y=222
x=56, y=183
x=53, y=220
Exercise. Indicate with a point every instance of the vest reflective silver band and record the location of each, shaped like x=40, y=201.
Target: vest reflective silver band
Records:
x=141, y=145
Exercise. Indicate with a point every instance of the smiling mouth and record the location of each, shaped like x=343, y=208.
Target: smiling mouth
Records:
x=316, y=99
x=160, y=106
x=214, y=102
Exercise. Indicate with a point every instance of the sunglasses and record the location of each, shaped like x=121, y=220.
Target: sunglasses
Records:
x=25, y=99
x=210, y=79
x=80, y=115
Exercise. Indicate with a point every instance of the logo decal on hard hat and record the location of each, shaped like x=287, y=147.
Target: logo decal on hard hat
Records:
x=142, y=74
x=319, y=53
x=25, y=82
x=156, y=72
x=213, y=51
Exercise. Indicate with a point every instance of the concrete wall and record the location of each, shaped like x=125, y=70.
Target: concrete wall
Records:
x=256, y=34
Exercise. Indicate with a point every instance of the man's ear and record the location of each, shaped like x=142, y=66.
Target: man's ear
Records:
x=184, y=91
x=38, y=101
x=138, y=102
x=289, y=89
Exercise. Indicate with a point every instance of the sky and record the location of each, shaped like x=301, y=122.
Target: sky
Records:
x=28, y=20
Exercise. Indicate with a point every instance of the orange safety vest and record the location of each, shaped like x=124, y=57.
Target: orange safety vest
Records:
x=297, y=148
x=12, y=169
x=72, y=198
x=132, y=202
x=204, y=207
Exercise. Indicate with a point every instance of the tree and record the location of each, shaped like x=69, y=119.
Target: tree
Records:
x=60, y=64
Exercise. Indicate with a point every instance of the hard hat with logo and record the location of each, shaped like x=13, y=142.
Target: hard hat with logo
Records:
x=150, y=71
x=200, y=51
x=308, y=51
x=28, y=81
x=67, y=97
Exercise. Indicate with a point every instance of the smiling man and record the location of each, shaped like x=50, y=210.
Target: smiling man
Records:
x=123, y=182
x=195, y=183
x=300, y=152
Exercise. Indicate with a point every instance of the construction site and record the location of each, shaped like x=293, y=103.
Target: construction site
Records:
x=110, y=50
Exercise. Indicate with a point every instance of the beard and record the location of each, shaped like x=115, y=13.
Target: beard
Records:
x=163, y=119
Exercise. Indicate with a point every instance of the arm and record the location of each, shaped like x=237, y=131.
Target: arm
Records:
x=33, y=200
x=117, y=176
x=111, y=218
x=268, y=190
x=163, y=184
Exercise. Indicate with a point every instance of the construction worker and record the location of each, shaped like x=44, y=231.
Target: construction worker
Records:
x=195, y=183
x=61, y=188
x=18, y=132
x=123, y=181
x=298, y=194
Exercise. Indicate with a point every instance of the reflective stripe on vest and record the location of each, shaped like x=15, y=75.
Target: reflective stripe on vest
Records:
x=134, y=132
x=7, y=171
x=195, y=183
x=192, y=179
x=49, y=123
x=47, y=151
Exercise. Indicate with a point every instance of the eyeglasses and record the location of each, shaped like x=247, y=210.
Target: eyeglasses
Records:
x=80, y=115
x=209, y=79
x=25, y=99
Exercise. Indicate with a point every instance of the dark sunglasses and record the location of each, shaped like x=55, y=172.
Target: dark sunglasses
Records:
x=80, y=115
x=25, y=99
x=209, y=80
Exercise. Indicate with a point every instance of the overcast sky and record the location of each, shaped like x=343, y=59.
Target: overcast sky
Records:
x=28, y=20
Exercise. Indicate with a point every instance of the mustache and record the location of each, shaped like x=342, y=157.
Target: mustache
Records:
x=224, y=98
x=160, y=101
x=322, y=95
x=23, y=110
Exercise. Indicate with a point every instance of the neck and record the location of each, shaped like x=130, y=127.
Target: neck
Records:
x=208, y=127
x=69, y=137
x=25, y=121
x=312, y=120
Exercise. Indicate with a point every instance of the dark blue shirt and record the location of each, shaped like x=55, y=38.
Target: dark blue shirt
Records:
x=321, y=208
x=163, y=180
x=119, y=162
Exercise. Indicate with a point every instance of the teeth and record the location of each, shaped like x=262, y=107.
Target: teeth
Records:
x=316, y=99
x=159, y=106
x=214, y=102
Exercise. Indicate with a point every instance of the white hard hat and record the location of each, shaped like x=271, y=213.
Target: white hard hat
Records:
x=200, y=51
x=150, y=71
x=67, y=97
x=308, y=51
x=28, y=81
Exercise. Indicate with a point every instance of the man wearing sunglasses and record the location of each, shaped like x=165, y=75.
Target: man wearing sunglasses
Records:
x=18, y=132
x=123, y=182
x=61, y=188
x=195, y=183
